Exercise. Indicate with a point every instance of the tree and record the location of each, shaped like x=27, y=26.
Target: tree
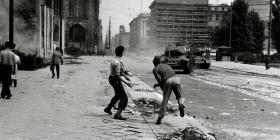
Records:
x=241, y=34
x=257, y=27
x=275, y=25
x=220, y=36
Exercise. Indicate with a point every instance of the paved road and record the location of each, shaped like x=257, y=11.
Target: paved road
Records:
x=231, y=112
x=69, y=108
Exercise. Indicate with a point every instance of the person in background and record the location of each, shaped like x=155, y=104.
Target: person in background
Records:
x=7, y=68
x=56, y=61
x=168, y=82
x=117, y=76
x=14, y=75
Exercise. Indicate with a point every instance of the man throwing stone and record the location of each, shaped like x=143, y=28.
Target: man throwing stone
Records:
x=168, y=82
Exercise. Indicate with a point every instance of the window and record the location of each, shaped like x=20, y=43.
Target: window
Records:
x=217, y=17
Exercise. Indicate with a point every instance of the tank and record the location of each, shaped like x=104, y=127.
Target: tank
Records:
x=175, y=57
x=186, y=58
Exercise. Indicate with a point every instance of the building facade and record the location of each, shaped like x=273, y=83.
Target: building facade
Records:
x=82, y=24
x=50, y=26
x=139, y=28
x=218, y=15
x=42, y=25
x=179, y=21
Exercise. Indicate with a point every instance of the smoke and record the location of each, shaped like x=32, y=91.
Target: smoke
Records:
x=4, y=18
x=25, y=32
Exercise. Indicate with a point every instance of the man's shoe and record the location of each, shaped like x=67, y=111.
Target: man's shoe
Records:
x=2, y=96
x=181, y=109
x=119, y=117
x=106, y=110
x=53, y=76
x=9, y=96
x=158, y=120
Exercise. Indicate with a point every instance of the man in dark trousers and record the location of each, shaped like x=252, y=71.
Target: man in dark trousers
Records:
x=117, y=76
x=56, y=61
x=168, y=82
x=7, y=67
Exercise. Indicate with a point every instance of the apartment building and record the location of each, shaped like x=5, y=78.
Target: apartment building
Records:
x=177, y=21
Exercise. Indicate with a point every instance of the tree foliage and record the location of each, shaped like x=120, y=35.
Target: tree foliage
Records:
x=257, y=27
x=220, y=36
x=240, y=34
x=275, y=25
x=247, y=30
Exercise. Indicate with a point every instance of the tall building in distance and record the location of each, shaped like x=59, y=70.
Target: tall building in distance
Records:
x=124, y=37
x=179, y=21
x=139, y=29
x=121, y=39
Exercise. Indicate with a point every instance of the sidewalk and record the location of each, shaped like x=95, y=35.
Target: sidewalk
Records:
x=72, y=107
x=254, y=69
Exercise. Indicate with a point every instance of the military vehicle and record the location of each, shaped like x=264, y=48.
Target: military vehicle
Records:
x=200, y=57
x=175, y=56
x=185, y=58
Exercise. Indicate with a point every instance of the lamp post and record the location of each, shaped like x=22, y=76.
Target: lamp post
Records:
x=11, y=22
x=269, y=36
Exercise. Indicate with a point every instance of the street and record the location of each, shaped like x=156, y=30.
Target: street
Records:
x=72, y=107
x=236, y=104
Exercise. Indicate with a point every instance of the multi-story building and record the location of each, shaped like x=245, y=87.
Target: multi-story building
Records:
x=139, y=29
x=41, y=25
x=179, y=21
x=218, y=15
x=82, y=25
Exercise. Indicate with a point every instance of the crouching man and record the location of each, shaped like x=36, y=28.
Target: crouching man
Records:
x=168, y=82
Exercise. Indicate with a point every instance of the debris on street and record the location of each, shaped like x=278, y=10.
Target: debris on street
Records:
x=149, y=106
x=189, y=133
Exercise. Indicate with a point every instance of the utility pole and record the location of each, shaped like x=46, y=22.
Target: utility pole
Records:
x=11, y=18
x=269, y=36
x=230, y=25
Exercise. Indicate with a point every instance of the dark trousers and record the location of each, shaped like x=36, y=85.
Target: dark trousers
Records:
x=120, y=94
x=57, y=67
x=6, y=73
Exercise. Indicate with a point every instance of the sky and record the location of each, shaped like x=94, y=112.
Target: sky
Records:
x=123, y=11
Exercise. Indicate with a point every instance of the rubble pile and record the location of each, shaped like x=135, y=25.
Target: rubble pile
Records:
x=149, y=106
x=189, y=133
